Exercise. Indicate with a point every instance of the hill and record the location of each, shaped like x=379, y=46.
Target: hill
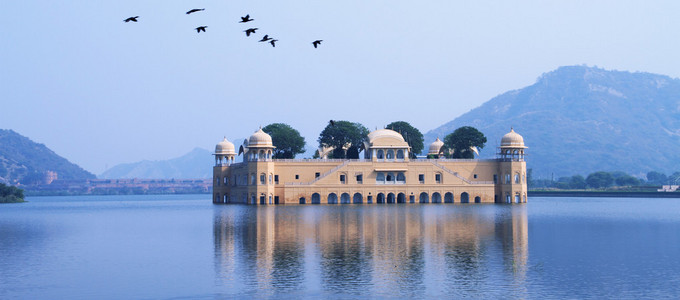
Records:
x=26, y=162
x=578, y=119
x=196, y=164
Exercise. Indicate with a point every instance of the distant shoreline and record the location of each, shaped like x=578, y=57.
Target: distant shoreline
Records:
x=622, y=194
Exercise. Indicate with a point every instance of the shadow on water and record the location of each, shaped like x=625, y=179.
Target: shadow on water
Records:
x=399, y=250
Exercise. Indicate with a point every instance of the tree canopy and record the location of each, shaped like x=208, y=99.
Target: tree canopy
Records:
x=412, y=135
x=287, y=140
x=339, y=134
x=600, y=179
x=10, y=194
x=462, y=140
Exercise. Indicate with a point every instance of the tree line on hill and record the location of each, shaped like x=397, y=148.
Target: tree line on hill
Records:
x=10, y=194
x=601, y=179
x=346, y=138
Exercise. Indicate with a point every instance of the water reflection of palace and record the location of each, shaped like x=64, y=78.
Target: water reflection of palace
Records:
x=407, y=248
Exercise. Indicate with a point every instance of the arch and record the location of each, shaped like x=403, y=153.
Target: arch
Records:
x=303, y=200
x=448, y=197
x=380, y=178
x=464, y=197
x=478, y=199
x=261, y=155
x=389, y=154
x=357, y=198
x=226, y=199
x=424, y=197
x=263, y=178
x=390, y=198
x=389, y=178
x=332, y=198
x=216, y=197
x=518, y=199
x=436, y=197
x=381, y=154
x=400, y=154
x=380, y=199
x=516, y=177
x=344, y=198
x=316, y=198
x=401, y=198
x=401, y=178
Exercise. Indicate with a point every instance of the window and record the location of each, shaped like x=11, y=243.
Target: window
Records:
x=421, y=178
x=400, y=154
x=263, y=179
x=495, y=178
x=297, y=176
x=252, y=179
x=381, y=154
x=271, y=177
x=360, y=178
x=475, y=176
x=342, y=178
x=276, y=179
x=516, y=178
x=217, y=180
x=226, y=180
x=507, y=178
x=317, y=174
x=389, y=178
x=438, y=178
x=380, y=178
x=401, y=178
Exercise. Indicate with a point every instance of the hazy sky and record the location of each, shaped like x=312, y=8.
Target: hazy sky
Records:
x=101, y=92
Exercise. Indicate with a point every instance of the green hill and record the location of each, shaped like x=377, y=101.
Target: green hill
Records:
x=578, y=119
x=26, y=162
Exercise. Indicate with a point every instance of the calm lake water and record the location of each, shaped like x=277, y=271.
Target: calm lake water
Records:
x=184, y=247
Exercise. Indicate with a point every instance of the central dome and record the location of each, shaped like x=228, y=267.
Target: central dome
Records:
x=512, y=140
x=259, y=139
x=385, y=133
x=225, y=147
x=435, y=147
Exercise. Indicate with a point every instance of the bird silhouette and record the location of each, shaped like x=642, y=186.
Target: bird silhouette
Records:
x=316, y=43
x=201, y=28
x=273, y=42
x=195, y=10
x=133, y=19
x=332, y=122
x=265, y=38
x=249, y=31
x=246, y=19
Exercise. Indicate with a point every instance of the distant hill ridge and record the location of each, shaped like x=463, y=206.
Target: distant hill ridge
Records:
x=26, y=162
x=196, y=164
x=579, y=119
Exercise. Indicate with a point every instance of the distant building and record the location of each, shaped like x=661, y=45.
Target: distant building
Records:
x=50, y=176
x=385, y=175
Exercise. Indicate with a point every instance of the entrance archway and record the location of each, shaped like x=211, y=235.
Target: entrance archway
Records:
x=381, y=198
x=401, y=198
x=424, y=197
x=436, y=198
x=316, y=198
x=448, y=197
x=390, y=198
x=464, y=198
x=357, y=198
x=344, y=198
x=332, y=198
x=478, y=199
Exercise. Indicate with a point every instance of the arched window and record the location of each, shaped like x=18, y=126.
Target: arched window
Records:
x=390, y=154
x=263, y=178
x=252, y=179
x=516, y=177
x=381, y=154
x=507, y=178
x=400, y=154
x=380, y=178
x=217, y=180
x=401, y=178
x=271, y=178
x=226, y=180
x=389, y=178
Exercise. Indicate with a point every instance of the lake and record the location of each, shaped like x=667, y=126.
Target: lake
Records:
x=184, y=247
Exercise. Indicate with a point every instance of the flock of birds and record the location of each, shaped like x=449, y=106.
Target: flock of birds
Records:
x=245, y=19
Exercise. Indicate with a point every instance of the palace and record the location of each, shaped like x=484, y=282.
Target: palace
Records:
x=387, y=174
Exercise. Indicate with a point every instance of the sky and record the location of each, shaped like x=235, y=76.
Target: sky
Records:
x=100, y=92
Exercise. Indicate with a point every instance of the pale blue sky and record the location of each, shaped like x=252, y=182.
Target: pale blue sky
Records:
x=101, y=92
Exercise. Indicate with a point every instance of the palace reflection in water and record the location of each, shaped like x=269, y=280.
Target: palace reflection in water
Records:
x=397, y=251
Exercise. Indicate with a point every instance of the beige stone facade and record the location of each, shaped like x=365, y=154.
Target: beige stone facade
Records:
x=386, y=174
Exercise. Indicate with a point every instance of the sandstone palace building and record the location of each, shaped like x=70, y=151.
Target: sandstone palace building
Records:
x=387, y=174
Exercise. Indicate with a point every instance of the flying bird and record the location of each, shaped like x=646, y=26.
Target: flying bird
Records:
x=316, y=43
x=249, y=31
x=133, y=19
x=246, y=19
x=332, y=122
x=273, y=42
x=265, y=38
x=201, y=28
x=195, y=10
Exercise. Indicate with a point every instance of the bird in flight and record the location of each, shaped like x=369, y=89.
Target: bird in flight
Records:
x=331, y=122
x=201, y=28
x=316, y=43
x=273, y=42
x=265, y=38
x=246, y=19
x=195, y=10
x=133, y=19
x=249, y=31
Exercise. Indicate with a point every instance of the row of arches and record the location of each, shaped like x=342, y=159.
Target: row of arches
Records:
x=390, y=198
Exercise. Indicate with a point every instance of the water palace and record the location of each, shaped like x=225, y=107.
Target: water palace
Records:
x=385, y=175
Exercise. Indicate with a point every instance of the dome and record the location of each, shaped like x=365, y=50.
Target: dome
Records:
x=260, y=139
x=435, y=147
x=385, y=133
x=225, y=147
x=512, y=140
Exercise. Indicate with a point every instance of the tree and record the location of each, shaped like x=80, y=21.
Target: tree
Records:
x=627, y=180
x=411, y=134
x=655, y=177
x=577, y=182
x=462, y=140
x=340, y=134
x=287, y=140
x=600, y=179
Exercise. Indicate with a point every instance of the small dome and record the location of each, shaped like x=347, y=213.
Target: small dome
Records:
x=385, y=133
x=225, y=147
x=260, y=139
x=512, y=140
x=435, y=147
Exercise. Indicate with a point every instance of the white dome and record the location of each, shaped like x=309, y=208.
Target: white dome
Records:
x=435, y=147
x=260, y=139
x=383, y=133
x=225, y=147
x=512, y=140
